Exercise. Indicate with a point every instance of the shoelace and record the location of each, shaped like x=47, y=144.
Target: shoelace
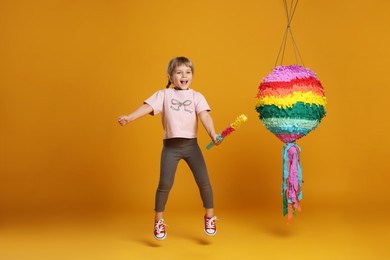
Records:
x=210, y=223
x=160, y=226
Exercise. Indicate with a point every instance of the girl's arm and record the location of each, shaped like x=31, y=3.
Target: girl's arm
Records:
x=208, y=124
x=141, y=111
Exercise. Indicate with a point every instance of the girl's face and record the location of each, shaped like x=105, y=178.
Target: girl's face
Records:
x=181, y=77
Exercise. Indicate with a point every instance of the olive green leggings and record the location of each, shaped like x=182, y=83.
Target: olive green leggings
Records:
x=173, y=151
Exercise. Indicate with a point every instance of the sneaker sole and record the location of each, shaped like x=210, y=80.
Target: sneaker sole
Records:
x=161, y=238
x=209, y=233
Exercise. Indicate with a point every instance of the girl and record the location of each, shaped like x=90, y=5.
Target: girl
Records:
x=180, y=108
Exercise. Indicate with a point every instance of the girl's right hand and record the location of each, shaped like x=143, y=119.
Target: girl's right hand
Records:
x=123, y=120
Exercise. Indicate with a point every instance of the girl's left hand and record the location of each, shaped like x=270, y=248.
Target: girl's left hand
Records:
x=217, y=139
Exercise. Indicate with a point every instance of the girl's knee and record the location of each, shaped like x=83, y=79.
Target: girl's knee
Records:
x=164, y=186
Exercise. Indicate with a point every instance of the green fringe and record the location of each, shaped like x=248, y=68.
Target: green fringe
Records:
x=298, y=110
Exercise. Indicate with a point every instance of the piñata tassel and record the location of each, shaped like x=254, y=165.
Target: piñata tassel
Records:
x=292, y=180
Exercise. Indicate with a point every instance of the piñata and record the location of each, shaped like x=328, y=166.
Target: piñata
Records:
x=291, y=103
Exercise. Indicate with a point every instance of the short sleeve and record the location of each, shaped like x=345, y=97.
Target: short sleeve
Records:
x=200, y=103
x=156, y=101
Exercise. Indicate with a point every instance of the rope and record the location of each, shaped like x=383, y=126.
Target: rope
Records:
x=289, y=15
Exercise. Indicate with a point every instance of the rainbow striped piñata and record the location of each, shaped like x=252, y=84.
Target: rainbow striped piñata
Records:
x=291, y=103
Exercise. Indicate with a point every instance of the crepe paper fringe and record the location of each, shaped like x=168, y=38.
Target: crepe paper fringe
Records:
x=285, y=88
x=239, y=121
x=228, y=130
x=297, y=111
x=286, y=73
x=292, y=180
x=291, y=99
x=289, y=138
x=303, y=123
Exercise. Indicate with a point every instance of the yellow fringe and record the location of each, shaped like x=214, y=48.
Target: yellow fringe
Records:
x=239, y=120
x=289, y=100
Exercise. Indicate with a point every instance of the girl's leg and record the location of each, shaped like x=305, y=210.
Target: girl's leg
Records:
x=158, y=216
x=168, y=165
x=195, y=161
x=209, y=213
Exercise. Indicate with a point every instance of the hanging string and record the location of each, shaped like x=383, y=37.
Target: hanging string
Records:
x=289, y=15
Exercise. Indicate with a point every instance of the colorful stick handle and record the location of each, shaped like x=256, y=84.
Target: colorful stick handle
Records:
x=211, y=145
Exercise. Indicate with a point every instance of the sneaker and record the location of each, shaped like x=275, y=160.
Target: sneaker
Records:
x=159, y=230
x=209, y=226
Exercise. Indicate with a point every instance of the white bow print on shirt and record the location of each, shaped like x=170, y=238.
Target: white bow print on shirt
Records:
x=176, y=104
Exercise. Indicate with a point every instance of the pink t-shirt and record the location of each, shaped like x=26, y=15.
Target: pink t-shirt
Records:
x=179, y=110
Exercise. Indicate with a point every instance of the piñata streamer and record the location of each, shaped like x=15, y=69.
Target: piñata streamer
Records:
x=291, y=103
x=228, y=130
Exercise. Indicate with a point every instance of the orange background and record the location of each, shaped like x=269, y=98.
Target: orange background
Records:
x=68, y=69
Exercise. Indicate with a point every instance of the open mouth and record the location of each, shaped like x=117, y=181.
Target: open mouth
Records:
x=184, y=82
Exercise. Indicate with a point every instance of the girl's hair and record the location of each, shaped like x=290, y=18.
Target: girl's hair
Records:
x=178, y=61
